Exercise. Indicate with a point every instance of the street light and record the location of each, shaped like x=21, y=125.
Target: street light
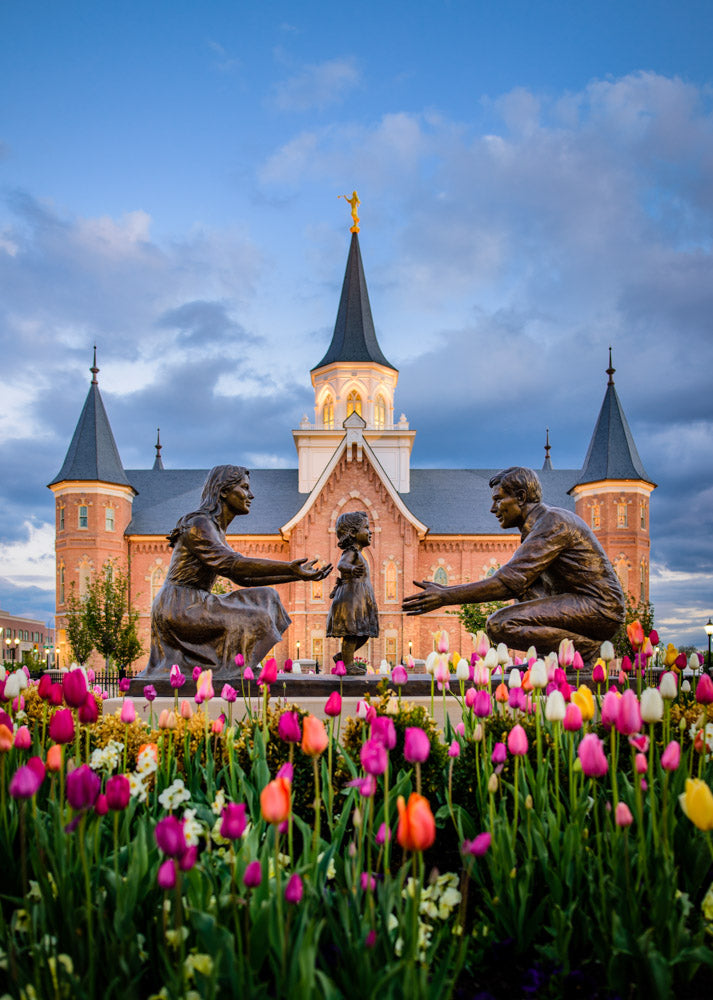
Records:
x=14, y=650
x=709, y=632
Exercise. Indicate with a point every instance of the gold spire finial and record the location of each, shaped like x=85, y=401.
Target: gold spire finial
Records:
x=354, y=202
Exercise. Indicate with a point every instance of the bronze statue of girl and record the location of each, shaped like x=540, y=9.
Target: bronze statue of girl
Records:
x=191, y=626
x=353, y=616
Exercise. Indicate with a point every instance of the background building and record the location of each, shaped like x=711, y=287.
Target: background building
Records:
x=352, y=455
x=26, y=640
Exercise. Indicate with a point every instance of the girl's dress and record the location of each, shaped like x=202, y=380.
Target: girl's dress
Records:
x=353, y=610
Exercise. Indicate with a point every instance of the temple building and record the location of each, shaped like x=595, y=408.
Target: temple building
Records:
x=353, y=455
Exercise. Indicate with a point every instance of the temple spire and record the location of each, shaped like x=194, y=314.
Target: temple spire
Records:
x=548, y=461
x=158, y=462
x=610, y=370
x=94, y=370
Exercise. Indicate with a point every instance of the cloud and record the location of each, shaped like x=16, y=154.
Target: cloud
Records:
x=317, y=86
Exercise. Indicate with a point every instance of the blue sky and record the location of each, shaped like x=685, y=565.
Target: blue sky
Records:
x=536, y=183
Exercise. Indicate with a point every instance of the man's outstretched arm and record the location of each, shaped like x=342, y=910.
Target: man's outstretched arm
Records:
x=435, y=596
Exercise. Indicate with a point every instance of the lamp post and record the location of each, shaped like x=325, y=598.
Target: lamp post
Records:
x=56, y=658
x=8, y=643
x=14, y=650
x=709, y=632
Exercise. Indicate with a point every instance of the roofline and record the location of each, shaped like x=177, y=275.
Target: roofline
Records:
x=612, y=486
x=61, y=486
x=421, y=528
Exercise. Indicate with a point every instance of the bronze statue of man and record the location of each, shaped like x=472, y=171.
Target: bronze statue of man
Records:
x=563, y=584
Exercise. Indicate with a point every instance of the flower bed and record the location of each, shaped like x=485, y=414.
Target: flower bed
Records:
x=556, y=842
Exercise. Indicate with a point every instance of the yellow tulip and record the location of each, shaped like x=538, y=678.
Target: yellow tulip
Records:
x=584, y=700
x=697, y=803
x=670, y=655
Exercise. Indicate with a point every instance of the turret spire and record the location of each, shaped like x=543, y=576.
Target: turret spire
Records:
x=610, y=370
x=548, y=461
x=94, y=370
x=158, y=462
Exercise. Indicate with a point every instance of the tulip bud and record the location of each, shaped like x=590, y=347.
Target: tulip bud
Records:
x=538, y=674
x=462, y=670
x=555, y=708
x=514, y=680
x=607, y=652
x=622, y=815
x=651, y=705
x=491, y=659
x=493, y=784
x=186, y=710
x=685, y=687
x=502, y=654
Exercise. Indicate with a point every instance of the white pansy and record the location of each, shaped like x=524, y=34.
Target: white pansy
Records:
x=175, y=795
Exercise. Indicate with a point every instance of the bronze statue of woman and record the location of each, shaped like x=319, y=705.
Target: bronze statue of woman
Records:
x=190, y=625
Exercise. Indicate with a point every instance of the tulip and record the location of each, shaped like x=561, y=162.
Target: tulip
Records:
x=62, y=726
x=417, y=746
x=477, y=847
x=101, y=806
x=555, y=708
x=680, y=662
x=641, y=765
x=373, y=756
x=218, y=725
x=128, y=712
x=399, y=676
x=234, y=821
x=442, y=675
x=651, y=705
x=293, y=889
x=577, y=661
x=252, y=876
x=584, y=700
x=538, y=675
x=268, y=674
x=454, y=749
x=75, y=688
x=628, y=718
x=26, y=780
x=622, y=815
x=704, y=690
x=635, y=632
x=610, y=708
x=186, y=710
x=170, y=836
x=176, y=678
x=668, y=686
x=43, y=688
x=334, y=705
x=517, y=741
x=239, y=660
x=566, y=653
x=88, y=712
x=287, y=666
x=288, y=728
x=417, y=827
x=150, y=693
x=607, y=651
x=441, y=638
x=196, y=673
x=481, y=644
x=204, y=686
x=118, y=792
x=572, y=718
x=166, y=877
x=499, y=754
x=502, y=654
x=591, y=754
x=55, y=694
x=12, y=686
x=431, y=660
x=275, y=801
x=598, y=673
x=125, y=685
x=54, y=758
x=286, y=771
x=23, y=740
x=470, y=697
x=383, y=730
x=366, y=786
x=314, y=736
x=83, y=786
x=671, y=757
x=697, y=803
x=339, y=670
x=490, y=660
x=514, y=680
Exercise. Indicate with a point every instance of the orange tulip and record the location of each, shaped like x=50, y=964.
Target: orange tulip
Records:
x=501, y=693
x=526, y=683
x=417, y=827
x=54, y=757
x=275, y=801
x=152, y=749
x=5, y=738
x=314, y=736
x=635, y=632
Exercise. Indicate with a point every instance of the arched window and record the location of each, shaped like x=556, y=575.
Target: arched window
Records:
x=380, y=413
x=85, y=577
x=328, y=414
x=391, y=583
x=643, y=517
x=441, y=577
x=317, y=592
x=353, y=402
x=596, y=516
x=642, y=579
x=158, y=575
x=622, y=571
x=61, y=583
x=622, y=514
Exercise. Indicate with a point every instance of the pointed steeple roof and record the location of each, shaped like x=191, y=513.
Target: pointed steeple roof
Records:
x=612, y=453
x=158, y=461
x=354, y=337
x=92, y=455
x=547, y=464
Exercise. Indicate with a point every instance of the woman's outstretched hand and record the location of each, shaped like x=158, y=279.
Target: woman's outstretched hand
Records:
x=305, y=570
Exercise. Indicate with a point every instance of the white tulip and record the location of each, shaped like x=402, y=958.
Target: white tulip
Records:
x=502, y=654
x=694, y=663
x=515, y=680
x=686, y=687
x=538, y=674
x=12, y=685
x=462, y=670
x=3, y=672
x=491, y=659
x=555, y=708
x=531, y=654
x=651, y=705
x=607, y=651
x=431, y=661
x=667, y=686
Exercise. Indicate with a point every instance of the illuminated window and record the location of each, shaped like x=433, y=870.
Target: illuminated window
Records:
x=596, y=516
x=85, y=576
x=643, y=517
x=441, y=577
x=61, y=583
x=157, y=577
x=622, y=515
x=109, y=518
x=622, y=571
x=642, y=580
x=391, y=650
x=83, y=516
x=317, y=590
x=328, y=414
x=353, y=402
x=318, y=649
x=380, y=413
x=391, y=583
x=61, y=518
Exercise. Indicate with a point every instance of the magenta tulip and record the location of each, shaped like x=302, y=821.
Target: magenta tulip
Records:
x=416, y=745
x=167, y=874
x=477, y=847
x=628, y=718
x=268, y=674
x=118, y=792
x=176, y=678
x=288, y=728
x=704, y=690
x=248, y=674
x=591, y=754
x=373, y=756
x=293, y=891
x=234, y=821
x=23, y=740
x=150, y=693
x=339, y=670
x=517, y=741
x=88, y=712
x=287, y=666
x=610, y=708
x=398, y=675
x=252, y=877
x=383, y=730
x=572, y=718
x=62, y=726
x=499, y=754
x=83, y=786
x=128, y=712
x=228, y=693
x=483, y=705
x=598, y=674
x=43, y=688
x=125, y=685
x=366, y=786
x=75, y=688
x=671, y=757
x=334, y=705
x=26, y=780
x=170, y=836
x=454, y=749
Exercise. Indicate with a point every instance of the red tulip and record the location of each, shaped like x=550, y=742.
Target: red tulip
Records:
x=118, y=792
x=334, y=704
x=75, y=688
x=62, y=726
x=275, y=801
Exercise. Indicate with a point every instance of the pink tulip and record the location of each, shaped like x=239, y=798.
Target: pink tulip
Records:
x=234, y=821
x=252, y=877
x=23, y=740
x=454, y=749
x=125, y=685
x=622, y=815
x=577, y=661
x=566, y=653
x=399, y=676
x=248, y=674
x=218, y=725
x=287, y=666
x=704, y=690
x=610, y=708
x=366, y=786
x=196, y=672
x=481, y=674
x=499, y=754
x=477, y=847
x=591, y=754
x=628, y=718
x=442, y=675
x=228, y=693
x=288, y=728
x=334, y=705
x=75, y=688
x=339, y=670
x=671, y=757
x=118, y=792
x=416, y=745
x=373, y=756
x=460, y=728
x=150, y=693
x=641, y=764
x=176, y=678
x=293, y=890
x=598, y=674
x=101, y=806
x=517, y=741
x=367, y=882
x=483, y=705
x=572, y=721
x=26, y=780
x=88, y=713
x=186, y=710
x=383, y=835
x=62, y=726
x=268, y=674
x=239, y=660
x=442, y=641
x=166, y=877
x=383, y=730
x=128, y=712
x=470, y=697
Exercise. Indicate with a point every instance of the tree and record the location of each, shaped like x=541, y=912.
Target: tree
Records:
x=474, y=616
x=642, y=611
x=109, y=617
x=78, y=635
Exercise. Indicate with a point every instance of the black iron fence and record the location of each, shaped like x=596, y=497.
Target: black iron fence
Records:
x=107, y=680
